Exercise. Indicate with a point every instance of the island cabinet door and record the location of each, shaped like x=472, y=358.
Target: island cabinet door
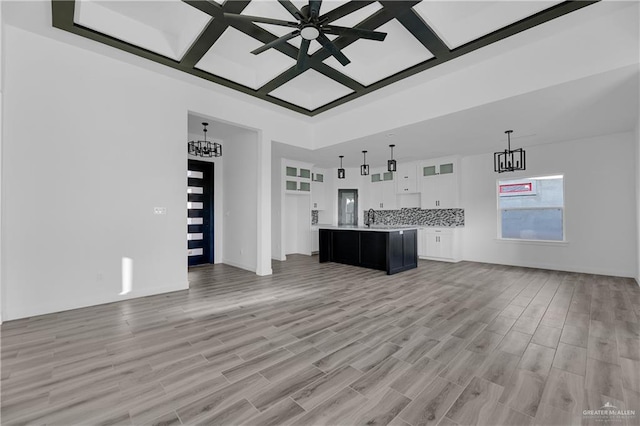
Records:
x=409, y=248
x=324, y=245
x=373, y=250
x=403, y=251
x=345, y=247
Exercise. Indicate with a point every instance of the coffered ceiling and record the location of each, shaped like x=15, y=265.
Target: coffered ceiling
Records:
x=208, y=39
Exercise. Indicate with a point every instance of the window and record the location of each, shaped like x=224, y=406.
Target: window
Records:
x=531, y=208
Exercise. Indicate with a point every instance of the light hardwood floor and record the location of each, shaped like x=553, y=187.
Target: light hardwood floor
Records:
x=314, y=344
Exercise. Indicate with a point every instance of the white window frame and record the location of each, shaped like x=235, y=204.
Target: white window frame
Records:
x=530, y=240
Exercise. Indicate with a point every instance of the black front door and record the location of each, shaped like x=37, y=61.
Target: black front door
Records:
x=200, y=212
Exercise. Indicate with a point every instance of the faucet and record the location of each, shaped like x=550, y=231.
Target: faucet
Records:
x=371, y=217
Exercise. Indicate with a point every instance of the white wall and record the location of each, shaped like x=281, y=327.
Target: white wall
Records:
x=1, y=138
x=600, y=218
x=638, y=187
x=85, y=163
x=637, y=146
x=501, y=70
x=277, y=209
x=90, y=145
x=263, y=203
x=241, y=200
x=331, y=196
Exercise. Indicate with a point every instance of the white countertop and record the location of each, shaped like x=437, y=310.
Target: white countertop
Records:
x=374, y=228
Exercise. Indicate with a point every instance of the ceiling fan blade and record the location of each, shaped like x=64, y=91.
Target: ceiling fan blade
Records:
x=344, y=10
x=326, y=43
x=291, y=9
x=276, y=42
x=302, y=54
x=314, y=8
x=357, y=32
x=260, y=19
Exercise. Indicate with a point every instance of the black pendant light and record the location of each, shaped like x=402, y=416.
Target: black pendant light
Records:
x=341, y=173
x=508, y=160
x=364, y=168
x=391, y=164
x=204, y=148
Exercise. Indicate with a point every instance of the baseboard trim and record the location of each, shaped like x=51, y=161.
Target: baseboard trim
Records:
x=87, y=303
x=567, y=268
x=239, y=265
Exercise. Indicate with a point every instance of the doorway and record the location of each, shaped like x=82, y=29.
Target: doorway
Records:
x=199, y=212
x=348, y=207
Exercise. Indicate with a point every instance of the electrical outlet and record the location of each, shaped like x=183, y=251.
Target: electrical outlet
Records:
x=159, y=210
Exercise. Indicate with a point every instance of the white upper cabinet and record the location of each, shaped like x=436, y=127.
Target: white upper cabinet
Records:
x=297, y=177
x=439, y=181
x=406, y=178
x=318, y=189
x=389, y=199
x=381, y=190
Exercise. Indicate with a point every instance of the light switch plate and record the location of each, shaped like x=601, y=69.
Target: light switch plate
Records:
x=159, y=210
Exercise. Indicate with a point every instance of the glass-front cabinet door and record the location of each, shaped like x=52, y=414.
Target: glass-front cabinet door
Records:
x=429, y=171
x=298, y=179
x=305, y=186
x=292, y=185
x=291, y=171
x=305, y=173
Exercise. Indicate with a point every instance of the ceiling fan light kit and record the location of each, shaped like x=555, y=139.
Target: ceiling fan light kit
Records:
x=509, y=160
x=309, y=32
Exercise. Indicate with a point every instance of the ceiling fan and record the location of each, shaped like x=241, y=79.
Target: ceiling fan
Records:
x=310, y=26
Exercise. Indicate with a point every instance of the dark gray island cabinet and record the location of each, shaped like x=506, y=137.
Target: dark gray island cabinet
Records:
x=388, y=249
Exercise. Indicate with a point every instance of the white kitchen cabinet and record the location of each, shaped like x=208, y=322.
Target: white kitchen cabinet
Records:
x=381, y=191
x=318, y=190
x=406, y=178
x=441, y=244
x=422, y=243
x=389, y=201
x=440, y=184
x=315, y=240
x=297, y=177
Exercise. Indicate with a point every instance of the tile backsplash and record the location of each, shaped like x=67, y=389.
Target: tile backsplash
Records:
x=314, y=217
x=417, y=216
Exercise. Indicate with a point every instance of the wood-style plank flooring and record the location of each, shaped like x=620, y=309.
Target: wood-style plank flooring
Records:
x=316, y=344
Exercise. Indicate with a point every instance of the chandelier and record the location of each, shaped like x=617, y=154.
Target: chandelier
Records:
x=391, y=164
x=508, y=160
x=204, y=148
x=341, y=173
x=364, y=168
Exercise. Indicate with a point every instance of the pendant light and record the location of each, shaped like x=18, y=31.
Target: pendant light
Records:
x=364, y=168
x=204, y=148
x=508, y=160
x=341, y=173
x=391, y=164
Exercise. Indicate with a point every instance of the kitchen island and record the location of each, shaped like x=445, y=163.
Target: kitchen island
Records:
x=388, y=248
